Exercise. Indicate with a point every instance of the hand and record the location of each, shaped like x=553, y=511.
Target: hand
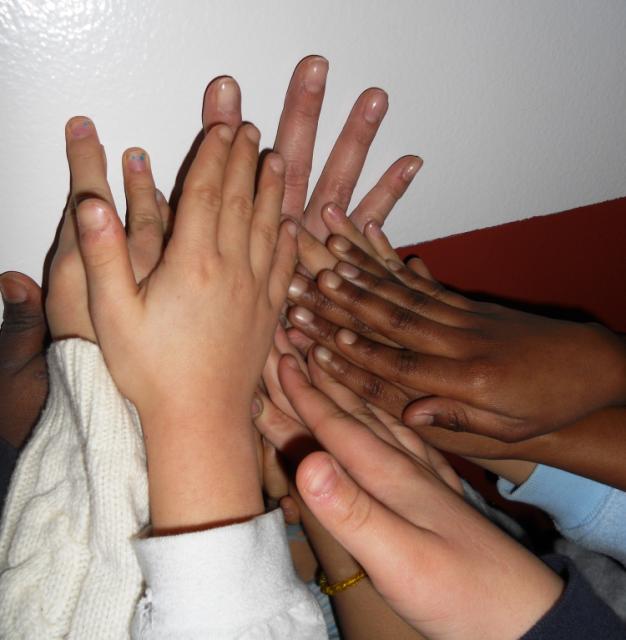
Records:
x=148, y=218
x=484, y=368
x=295, y=140
x=174, y=343
x=444, y=568
x=23, y=374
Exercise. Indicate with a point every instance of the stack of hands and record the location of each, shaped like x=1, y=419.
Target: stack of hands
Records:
x=372, y=368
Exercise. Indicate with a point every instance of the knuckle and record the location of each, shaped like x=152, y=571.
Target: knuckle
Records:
x=241, y=205
x=479, y=375
x=357, y=512
x=145, y=220
x=373, y=388
x=340, y=190
x=401, y=319
x=208, y=196
x=267, y=233
x=297, y=173
x=456, y=418
x=393, y=188
x=406, y=362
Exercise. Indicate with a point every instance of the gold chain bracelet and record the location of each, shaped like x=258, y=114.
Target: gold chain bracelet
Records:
x=338, y=587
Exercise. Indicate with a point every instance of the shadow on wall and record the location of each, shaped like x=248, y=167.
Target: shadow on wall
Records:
x=569, y=265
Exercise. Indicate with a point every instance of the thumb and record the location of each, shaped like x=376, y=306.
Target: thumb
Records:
x=23, y=331
x=460, y=417
x=103, y=247
x=381, y=541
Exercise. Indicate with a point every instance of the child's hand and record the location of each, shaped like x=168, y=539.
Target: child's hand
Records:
x=487, y=369
x=148, y=216
x=187, y=345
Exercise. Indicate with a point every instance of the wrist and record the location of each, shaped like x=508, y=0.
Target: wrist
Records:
x=202, y=468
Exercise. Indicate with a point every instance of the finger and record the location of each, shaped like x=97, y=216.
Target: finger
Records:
x=144, y=221
x=297, y=129
x=300, y=341
x=274, y=478
x=379, y=241
x=266, y=218
x=285, y=259
x=344, y=165
x=370, y=387
x=313, y=254
x=195, y=231
x=380, y=201
x=304, y=292
x=86, y=161
x=287, y=435
x=423, y=373
x=381, y=541
x=462, y=417
x=417, y=265
x=23, y=331
x=110, y=279
x=344, y=250
x=291, y=511
x=397, y=323
x=344, y=436
x=347, y=400
x=222, y=103
x=237, y=209
x=405, y=297
x=165, y=211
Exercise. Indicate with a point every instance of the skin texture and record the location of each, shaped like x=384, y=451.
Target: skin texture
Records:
x=472, y=361
x=170, y=338
x=439, y=564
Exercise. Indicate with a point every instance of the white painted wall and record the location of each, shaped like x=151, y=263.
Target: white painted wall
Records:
x=518, y=108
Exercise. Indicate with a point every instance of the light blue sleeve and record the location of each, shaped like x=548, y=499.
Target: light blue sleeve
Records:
x=584, y=511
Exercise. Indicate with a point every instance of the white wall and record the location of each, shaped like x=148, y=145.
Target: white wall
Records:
x=518, y=108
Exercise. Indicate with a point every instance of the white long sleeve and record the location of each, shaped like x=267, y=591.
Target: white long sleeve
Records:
x=230, y=582
x=78, y=495
x=77, y=500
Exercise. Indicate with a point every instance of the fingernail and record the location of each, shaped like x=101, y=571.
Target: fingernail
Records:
x=302, y=315
x=253, y=134
x=340, y=243
x=225, y=133
x=277, y=165
x=408, y=173
x=323, y=479
x=315, y=77
x=292, y=228
x=297, y=287
x=394, y=265
x=91, y=216
x=292, y=363
x=136, y=161
x=160, y=198
x=257, y=407
x=331, y=280
x=374, y=228
x=323, y=354
x=81, y=128
x=13, y=291
x=376, y=107
x=228, y=98
x=346, y=336
x=335, y=213
x=347, y=270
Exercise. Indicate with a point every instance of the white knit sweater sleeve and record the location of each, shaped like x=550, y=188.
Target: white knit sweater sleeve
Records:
x=230, y=582
x=78, y=494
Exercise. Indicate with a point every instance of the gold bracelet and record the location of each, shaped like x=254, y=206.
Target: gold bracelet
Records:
x=338, y=587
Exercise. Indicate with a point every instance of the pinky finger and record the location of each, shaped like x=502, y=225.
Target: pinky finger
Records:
x=285, y=258
x=266, y=218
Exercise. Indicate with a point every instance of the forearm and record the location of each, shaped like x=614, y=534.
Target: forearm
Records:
x=362, y=613
x=200, y=473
